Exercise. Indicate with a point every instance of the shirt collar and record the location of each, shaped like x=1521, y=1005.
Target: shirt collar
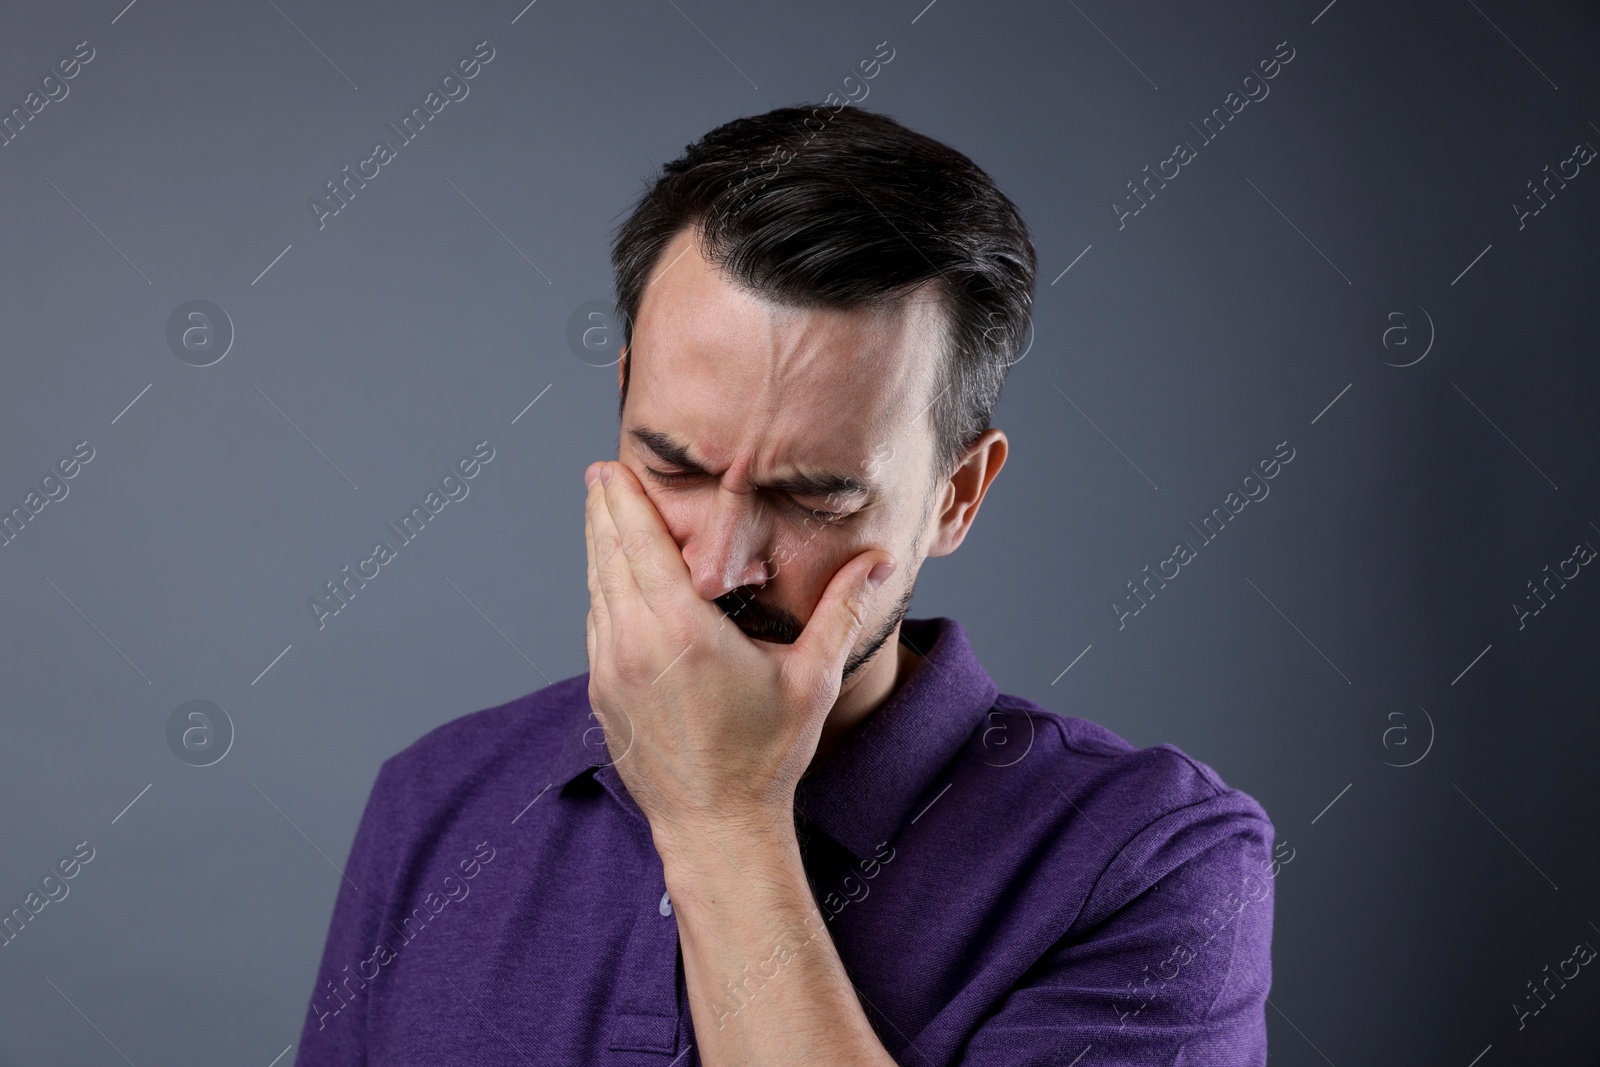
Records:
x=583, y=751
x=864, y=791
x=861, y=793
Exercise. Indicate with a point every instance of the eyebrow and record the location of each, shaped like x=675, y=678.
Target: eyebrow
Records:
x=802, y=483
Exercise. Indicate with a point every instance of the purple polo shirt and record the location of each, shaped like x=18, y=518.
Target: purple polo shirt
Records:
x=1005, y=885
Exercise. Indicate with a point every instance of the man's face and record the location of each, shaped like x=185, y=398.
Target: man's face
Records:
x=777, y=444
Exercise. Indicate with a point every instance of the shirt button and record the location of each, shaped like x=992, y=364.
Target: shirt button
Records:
x=665, y=908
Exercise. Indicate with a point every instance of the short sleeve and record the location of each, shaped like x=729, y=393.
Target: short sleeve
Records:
x=1169, y=963
x=335, y=1030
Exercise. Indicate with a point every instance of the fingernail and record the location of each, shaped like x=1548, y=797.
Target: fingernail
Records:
x=605, y=474
x=880, y=573
x=590, y=473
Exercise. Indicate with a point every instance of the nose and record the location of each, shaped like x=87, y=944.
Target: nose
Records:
x=726, y=550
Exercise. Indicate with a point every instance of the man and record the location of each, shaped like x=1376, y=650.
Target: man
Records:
x=777, y=822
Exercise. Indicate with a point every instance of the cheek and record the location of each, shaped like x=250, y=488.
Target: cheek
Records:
x=677, y=513
x=683, y=513
x=799, y=559
x=807, y=555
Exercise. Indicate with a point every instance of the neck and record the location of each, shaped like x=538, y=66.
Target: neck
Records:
x=868, y=690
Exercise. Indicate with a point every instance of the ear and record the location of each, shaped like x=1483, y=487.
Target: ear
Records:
x=960, y=497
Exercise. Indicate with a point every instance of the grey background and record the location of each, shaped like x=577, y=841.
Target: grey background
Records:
x=1374, y=582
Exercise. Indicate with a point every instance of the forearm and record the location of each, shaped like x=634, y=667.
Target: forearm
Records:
x=766, y=985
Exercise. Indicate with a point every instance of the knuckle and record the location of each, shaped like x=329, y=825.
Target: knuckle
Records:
x=679, y=627
x=649, y=575
x=608, y=573
x=637, y=542
x=629, y=655
x=808, y=685
x=856, y=604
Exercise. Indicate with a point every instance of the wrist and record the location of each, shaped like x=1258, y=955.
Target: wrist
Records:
x=701, y=857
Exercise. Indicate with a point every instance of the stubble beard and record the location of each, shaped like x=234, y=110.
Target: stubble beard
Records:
x=763, y=623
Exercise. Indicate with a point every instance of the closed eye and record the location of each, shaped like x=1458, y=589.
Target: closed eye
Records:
x=679, y=478
x=668, y=478
x=818, y=514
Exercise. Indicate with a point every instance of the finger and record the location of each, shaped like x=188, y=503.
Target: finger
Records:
x=614, y=575
x=657, y=565
x=589, y=638
x=597, y=600
x=848, y=604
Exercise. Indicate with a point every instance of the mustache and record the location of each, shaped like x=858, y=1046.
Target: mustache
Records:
x=757, y=619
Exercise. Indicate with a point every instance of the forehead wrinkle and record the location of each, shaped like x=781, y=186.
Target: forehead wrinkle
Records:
x=698, y=435
x=801, y=347
x=671, y=448
x=785, y=358
x=798, y=343
x=756, y=459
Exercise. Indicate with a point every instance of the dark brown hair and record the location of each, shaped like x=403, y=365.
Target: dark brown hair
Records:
x=813, y=207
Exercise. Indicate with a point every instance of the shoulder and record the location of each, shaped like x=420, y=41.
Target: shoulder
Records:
x=1136, y=814
x=1139, y=890
x=483, y=754
x=1086, y=757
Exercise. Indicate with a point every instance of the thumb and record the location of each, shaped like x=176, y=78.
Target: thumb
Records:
x=843, y=611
